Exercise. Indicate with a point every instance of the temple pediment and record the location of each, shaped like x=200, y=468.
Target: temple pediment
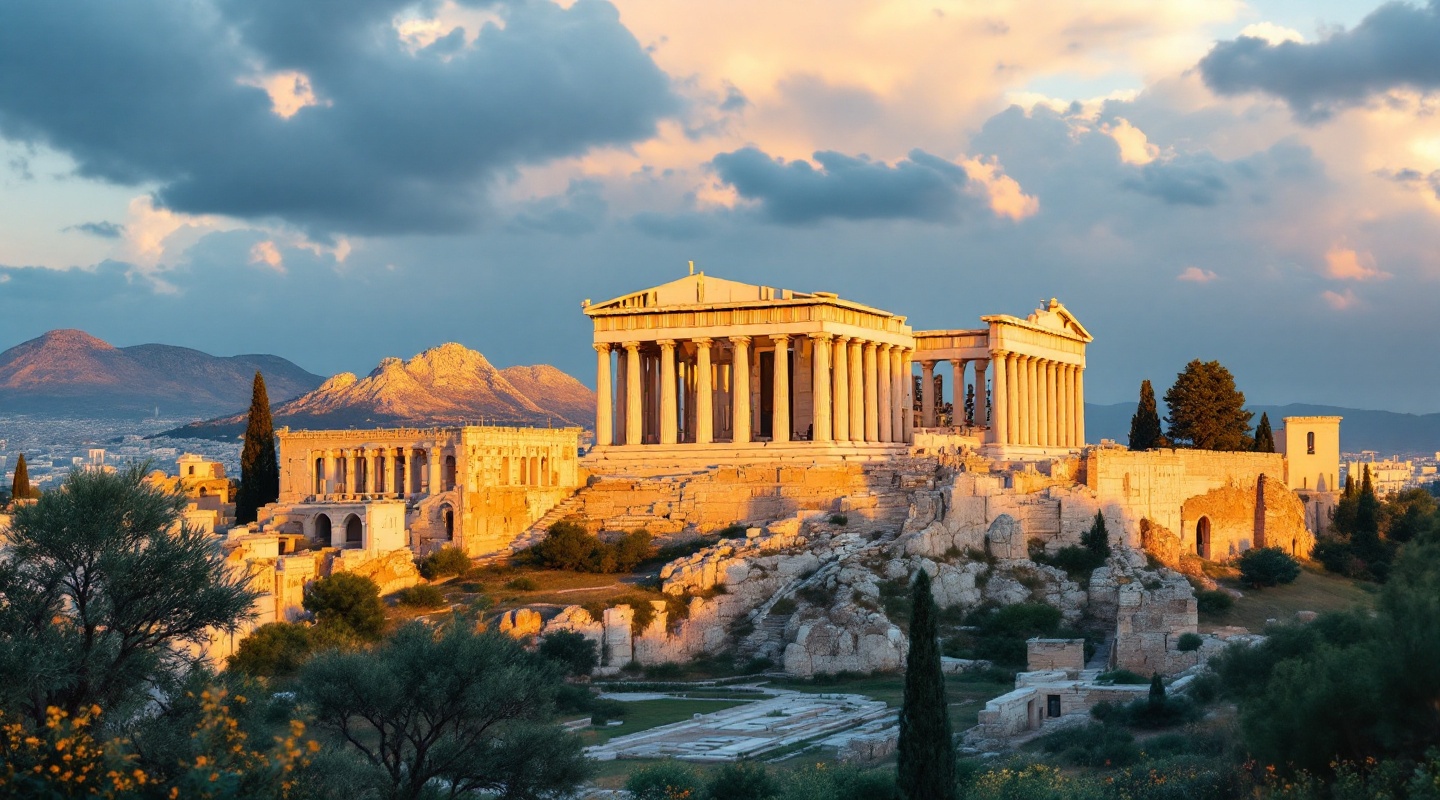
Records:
x=693, y=290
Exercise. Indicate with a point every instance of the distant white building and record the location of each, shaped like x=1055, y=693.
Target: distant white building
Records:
x=1387, y=477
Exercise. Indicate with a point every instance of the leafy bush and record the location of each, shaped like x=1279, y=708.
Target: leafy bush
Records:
x=347, y=603
x=1092, y=745
x=844, y=782
x=1268, y=566
x=573, y=652
x=742, y=781
x=522, y=584
x=1189, y=642
x=573, y=699
x=569, y=546
x=602, y=710
x=1078, y=562
x=273, y=650
x=998, y=633
x=1213, y=601
x=1155, y=711
x=472, y=587
x=443, y=562
x=421, y=596
x=1121, y=677
x=1097, y=539
x=668, y=780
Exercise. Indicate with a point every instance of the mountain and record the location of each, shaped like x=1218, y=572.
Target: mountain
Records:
x=71, y=373
x=1386, y=432
x=446, y=385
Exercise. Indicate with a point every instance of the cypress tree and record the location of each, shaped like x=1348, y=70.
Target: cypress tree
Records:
x=1365, y=538
x=926, y=768
x=1264, y=437
x=1145, y=425
x=21, y=489
x=259, y=466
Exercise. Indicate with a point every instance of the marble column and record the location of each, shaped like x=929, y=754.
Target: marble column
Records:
x=1062, y=406
x=372, y=471
x=927, y=394
x=1000, y=425
x=393, y=471
x=704, y=408
x=327, y=477
x=1033, y=393
x=820, y=380
x=907, y=377
x=622, y=399
x=1069, y=374
x=1022, y=399
x=668, y=405
x=1079, y=406
x=840, y=424
x=604, y=414
x=897, y=395
x=436, y=480
x=883, y=393
x=857, y=390
x=634, y=409
x=957, y=391
x=1045, y=418
x=780, y=419
x=982, y=394
x=872, y=395
x=740, y=390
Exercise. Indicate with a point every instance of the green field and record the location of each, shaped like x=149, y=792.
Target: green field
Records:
x=642, y=715
x=1312, y=591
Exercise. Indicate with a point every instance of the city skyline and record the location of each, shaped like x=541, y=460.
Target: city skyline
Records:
x=1254, y=183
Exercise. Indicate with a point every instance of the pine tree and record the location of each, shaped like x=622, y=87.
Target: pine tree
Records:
x=21, y=489
x=1264, y=437
x=259, y=466
x=1206, y=410
x=926, y=768
x=1145, y=425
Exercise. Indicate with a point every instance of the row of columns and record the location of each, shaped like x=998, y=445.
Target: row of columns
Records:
x=928, y=400
x=383, y=471
x=1038, y=402
x=857, y=386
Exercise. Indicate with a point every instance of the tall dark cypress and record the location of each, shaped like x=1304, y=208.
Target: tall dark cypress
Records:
x=1365, y=539
x=926, y=769
x=20, y=488
x=1145, y=425
x=259, y=467
x=1264, y=437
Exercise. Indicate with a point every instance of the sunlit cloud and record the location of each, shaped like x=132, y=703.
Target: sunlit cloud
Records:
x=1005, y=196
x=267, y=253
x=1340, y=301
x=289, y=91
x=1345, y=264
x=1272, y=33
x=1134, y=147
x=1196, y=275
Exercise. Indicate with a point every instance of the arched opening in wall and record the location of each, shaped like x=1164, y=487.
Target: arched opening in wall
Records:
x=1310, y=443
x=544, y=471
x=449, y=473
x=203, y=492
x=1295, y=547
x=319, y=476
x=1202, y=538
x=448, y=514
x=354, y=532
x=362, y=476
x=380, y=475
x=342, y=475
x=322, y=530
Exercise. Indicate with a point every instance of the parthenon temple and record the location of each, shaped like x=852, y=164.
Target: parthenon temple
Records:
x=716, y=370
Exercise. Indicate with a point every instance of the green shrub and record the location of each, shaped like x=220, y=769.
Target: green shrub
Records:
x=443, y=562
x=1092, y=746
x=472, y=587
x=1268, y=566
x=1122, y=677
x=347, y=603
x=603, y=710
x=1078, y=562
x=522, y=584
x=1213, y=601
x=573, y=699
x=843, y=782
x=666, y=671
x=273, y=650
x=569, y=546
x=667, y=780
x=1189, y=642
x=573, y=652
x=421, y=596
x=742, y=781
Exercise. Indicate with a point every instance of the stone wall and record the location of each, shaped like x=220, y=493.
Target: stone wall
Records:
x=1050, y=654
x=1153, y=610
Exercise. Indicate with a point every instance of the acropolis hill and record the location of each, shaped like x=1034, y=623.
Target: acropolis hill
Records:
x=793, y=417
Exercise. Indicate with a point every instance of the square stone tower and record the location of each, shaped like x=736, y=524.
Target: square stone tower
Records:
x=1312, y=453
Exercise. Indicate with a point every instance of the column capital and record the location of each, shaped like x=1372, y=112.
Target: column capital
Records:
x=884, y=347
x=665, y=344
x=601, y=347
x=630, y=345
x=703, y=341
x=927, y=363
x=779, y=337
x=740, y=340
x=821, y=336
x=1001, y=353
x=869, y=345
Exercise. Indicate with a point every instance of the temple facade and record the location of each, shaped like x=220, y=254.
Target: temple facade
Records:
x=721, y=371
x=475, y=487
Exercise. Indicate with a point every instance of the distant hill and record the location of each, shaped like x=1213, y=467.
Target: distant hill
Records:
x=71, y=373
x=446, y=385
x=1386, y=432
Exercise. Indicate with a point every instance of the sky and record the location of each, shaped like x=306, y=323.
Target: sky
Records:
x=337, y=181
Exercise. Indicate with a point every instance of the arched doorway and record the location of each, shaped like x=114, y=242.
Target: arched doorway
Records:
x=1202, y=538
x=449, y=473
x=448, y=514
x=354, y=532
x=322, y=530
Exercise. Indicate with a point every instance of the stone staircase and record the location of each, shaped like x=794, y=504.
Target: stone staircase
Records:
x=1101, y=659
x=570, y=506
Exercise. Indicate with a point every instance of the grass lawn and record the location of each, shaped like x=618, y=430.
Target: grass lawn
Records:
x=1312, y=591
x=642, y=715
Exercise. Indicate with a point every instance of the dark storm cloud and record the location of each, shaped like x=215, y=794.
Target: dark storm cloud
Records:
x=1194, y=181
x=399, y=141
x=922, y=186
x=1396, y=46
x=105, y=230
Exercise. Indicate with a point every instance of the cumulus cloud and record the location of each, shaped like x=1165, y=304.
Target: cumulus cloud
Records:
x=1394, y=47
x=921, y=186
x=1196, y=275
x=267, y=253
x=1193, y=180
x=1006, y=197
x=328, y=116
x=1340, y=301
x=1345, y=264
